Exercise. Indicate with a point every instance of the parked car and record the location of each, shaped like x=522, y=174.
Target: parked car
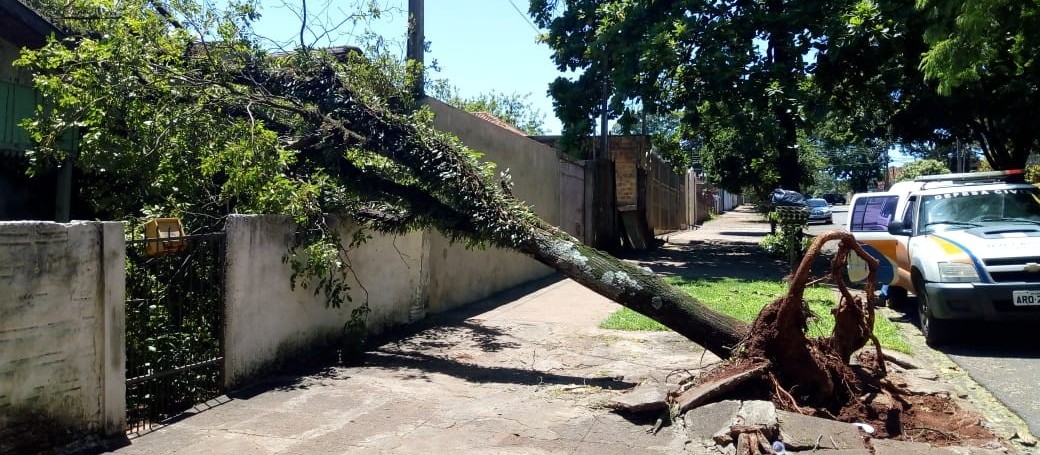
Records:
x=965, y=244
x=819, y=210
x=833, y=198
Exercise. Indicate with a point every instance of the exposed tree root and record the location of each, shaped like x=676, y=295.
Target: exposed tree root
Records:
x=808, y=375
x=815, y=371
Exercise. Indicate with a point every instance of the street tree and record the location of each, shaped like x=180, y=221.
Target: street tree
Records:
x=204, y=124
x=940, y=73
x=736, y=73
x=915, y=169
x=179, y=107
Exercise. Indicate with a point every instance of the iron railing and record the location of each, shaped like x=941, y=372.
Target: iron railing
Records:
x=174, y=328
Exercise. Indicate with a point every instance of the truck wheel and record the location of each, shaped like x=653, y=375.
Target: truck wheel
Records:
x=936, y=331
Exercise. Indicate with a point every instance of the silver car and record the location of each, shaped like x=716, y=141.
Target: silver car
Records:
x=819, y=211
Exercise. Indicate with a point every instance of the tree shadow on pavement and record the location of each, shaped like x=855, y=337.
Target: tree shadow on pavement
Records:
x=417, y=365
x=712, y=259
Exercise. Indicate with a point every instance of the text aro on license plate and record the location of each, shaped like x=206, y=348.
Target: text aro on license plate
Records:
x=1026, y=298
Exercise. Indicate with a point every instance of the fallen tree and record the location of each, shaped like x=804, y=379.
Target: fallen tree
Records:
x=230, y=128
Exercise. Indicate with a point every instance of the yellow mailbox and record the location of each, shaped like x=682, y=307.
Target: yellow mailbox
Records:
x=164, y=235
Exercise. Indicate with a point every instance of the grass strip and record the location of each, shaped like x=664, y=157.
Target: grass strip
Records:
x=743, y=299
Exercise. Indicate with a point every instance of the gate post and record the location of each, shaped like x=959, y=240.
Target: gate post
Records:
x=112, y=349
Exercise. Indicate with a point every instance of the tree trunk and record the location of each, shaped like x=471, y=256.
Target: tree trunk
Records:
x=636, y=288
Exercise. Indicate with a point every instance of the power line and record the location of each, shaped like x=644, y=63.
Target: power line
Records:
x=526, y=19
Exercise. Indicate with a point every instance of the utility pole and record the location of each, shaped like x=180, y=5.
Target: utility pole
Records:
x=417, y=43
x=604, y=131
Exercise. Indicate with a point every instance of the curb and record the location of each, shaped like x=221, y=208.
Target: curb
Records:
x=1007, y=425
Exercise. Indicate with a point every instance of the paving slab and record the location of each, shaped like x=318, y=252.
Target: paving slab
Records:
x=801, y=432
x=705, y=421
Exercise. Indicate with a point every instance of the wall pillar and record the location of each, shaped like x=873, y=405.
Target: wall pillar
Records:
x=112, y=350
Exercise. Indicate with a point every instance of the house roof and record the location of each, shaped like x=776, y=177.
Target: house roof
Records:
x=491, y=118
x=22, y=25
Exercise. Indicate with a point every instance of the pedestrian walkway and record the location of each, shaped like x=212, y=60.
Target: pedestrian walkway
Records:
x=527, y=371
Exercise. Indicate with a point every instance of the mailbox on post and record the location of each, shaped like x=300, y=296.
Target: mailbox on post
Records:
x=164, y=235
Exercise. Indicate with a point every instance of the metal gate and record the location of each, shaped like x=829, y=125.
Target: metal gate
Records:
x=174, y=327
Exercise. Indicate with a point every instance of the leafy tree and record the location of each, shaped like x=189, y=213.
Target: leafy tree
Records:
x=938, y=73
x=918, y=168
x=986, y=51
x=734, y=71
x=513, y=108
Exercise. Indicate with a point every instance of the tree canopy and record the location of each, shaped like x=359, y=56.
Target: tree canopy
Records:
x=736, y=73
x=915, y=169
x=752, y=81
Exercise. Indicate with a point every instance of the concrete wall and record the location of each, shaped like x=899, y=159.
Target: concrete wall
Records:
x=666, y=196
x=459, y=276
x=572, y=197
x=268, y=322
x=61, y=330
x=699, y=199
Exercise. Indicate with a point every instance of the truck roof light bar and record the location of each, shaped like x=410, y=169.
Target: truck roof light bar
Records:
x=1011, y=174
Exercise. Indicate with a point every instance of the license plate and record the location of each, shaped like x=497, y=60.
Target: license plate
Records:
x=1025, y=298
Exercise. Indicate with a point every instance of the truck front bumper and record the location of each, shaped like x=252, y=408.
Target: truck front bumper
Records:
x=981, y=301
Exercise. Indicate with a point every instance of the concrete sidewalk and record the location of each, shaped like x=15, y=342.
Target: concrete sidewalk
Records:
x=526, y=372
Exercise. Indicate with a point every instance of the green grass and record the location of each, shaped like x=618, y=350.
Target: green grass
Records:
x=743, y=299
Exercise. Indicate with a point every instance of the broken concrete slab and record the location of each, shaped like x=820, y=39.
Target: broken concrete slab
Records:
x=710, y=390
x=923, y=373
x=641, y=398
x=703, y=422
x=891, y=447
x=800, y=432
x=760, y=414
x=752, y=416
x=920, y=386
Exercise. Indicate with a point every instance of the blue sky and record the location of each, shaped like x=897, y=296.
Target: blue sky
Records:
x=480, y=45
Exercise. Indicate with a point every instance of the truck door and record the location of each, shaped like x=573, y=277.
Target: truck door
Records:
x=868, y=218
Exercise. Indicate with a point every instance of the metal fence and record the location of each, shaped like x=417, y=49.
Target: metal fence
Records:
x=174, y=327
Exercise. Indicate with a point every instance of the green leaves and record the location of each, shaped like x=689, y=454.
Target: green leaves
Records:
x=725, y=68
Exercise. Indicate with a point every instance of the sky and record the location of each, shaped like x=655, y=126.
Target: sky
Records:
x=479, y=45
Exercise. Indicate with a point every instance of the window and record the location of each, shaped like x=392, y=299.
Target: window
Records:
x=908, y=213
x=873, y=213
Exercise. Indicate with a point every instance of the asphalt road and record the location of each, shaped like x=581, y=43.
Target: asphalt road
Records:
x=1002, y=358
x=839, y=213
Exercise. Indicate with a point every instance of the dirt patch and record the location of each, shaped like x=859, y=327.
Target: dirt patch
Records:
x=939, y=421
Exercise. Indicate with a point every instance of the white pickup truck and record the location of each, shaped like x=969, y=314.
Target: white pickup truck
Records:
x=967, y=245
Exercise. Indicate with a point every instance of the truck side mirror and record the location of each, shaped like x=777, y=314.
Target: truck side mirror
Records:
x=897, y=228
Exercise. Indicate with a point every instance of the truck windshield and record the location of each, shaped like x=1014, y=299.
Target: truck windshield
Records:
x=973, y=208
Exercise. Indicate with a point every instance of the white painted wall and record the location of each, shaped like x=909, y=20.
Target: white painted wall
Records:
x=403, y=276
x=61, y=325
x=459, y=276
x=268, y=323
